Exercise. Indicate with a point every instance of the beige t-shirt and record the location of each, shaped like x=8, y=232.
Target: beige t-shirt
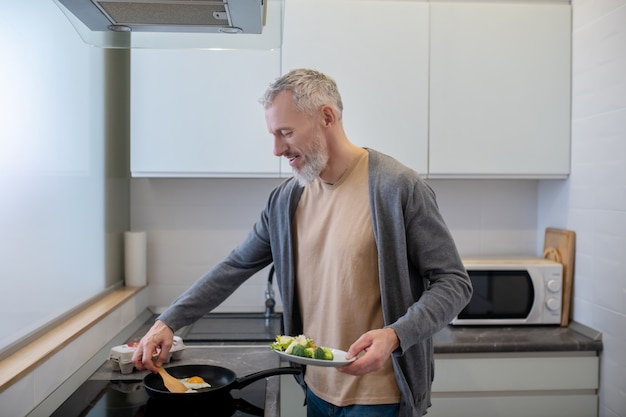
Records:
x=337, y=282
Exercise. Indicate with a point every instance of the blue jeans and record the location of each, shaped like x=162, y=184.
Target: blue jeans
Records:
x=316, y=407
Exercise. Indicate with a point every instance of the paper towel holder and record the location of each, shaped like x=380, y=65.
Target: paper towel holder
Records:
x=135, y=259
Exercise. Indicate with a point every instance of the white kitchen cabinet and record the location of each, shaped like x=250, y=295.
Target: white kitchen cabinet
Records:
x=377, y=51
x=196, y=113
x=500, y=89
x=451, y=89
x=541, y=384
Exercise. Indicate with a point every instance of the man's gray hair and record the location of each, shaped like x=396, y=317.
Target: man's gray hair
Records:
x=310, y=89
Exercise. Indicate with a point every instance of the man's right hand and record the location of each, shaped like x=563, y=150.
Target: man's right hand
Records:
x=160, y=336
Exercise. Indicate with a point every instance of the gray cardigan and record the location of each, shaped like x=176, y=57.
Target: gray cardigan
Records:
x=422, y=279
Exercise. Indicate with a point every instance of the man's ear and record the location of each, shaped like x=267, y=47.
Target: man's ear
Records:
x=329, y=115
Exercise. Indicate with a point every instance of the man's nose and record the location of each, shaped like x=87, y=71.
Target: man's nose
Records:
x=279, y=147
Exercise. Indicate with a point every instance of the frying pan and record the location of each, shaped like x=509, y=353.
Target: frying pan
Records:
x=222, y=380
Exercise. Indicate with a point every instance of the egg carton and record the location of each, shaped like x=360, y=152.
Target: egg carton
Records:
x=121, y=357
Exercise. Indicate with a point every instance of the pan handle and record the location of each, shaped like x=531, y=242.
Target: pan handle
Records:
x=248, y=379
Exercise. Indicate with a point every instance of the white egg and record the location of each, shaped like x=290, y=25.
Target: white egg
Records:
x=194, y=383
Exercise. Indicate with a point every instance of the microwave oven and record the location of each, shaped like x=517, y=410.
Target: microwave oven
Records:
x=513, y=291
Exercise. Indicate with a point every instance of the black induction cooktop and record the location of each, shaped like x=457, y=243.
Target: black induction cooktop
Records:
x=233, y=327
x=102, y=398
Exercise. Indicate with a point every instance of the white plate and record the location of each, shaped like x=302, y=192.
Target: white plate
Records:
x=339, y=359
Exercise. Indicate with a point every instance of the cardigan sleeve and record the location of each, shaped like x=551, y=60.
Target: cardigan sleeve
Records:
x=423, y=281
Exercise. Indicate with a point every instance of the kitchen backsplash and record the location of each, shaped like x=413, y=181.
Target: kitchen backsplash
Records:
x=193, y=223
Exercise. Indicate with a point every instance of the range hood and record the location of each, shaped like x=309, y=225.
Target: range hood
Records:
x=223, y=24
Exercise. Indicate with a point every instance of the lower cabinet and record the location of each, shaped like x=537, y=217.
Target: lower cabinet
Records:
x=542, y=384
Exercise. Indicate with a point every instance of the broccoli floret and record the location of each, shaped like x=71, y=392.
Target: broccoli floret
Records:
x=328, y=354
x=301, y=346
x=299, y=350
x=319, y=353
x=323, y=353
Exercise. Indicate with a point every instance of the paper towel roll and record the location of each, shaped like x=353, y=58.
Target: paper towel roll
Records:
x=135, y=262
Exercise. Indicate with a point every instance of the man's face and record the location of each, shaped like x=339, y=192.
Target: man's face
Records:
x=298, y=137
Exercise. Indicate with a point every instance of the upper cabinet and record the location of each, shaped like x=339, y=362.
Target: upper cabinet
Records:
x=377, y=51
x=196, y=113
x=500, y=89
x=451, y=89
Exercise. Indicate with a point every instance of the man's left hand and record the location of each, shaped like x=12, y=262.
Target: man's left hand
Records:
x=377, y=345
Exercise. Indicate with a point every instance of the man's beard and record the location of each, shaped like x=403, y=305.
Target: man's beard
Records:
x=315, y=161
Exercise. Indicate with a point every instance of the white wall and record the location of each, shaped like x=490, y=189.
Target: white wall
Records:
x=51, y=167
x=593, y=201
x=194, y=223
x=191, y=224
x=63, y=202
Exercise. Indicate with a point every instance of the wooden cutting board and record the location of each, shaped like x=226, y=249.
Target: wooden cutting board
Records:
x=560, y=246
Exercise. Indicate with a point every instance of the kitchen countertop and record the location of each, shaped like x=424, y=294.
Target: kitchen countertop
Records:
x=248, y=358
x=243, y=358
x=486, y=339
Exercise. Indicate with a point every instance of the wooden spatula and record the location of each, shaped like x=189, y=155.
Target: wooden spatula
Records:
x=171, y=383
